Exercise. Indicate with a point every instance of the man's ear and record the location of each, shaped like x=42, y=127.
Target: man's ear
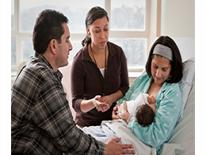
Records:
x=53, y=46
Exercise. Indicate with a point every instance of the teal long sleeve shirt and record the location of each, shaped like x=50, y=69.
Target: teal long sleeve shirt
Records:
x=168, y=111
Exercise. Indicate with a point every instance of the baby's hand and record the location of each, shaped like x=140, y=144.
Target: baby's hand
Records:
x=151, y=99
x=123, y=112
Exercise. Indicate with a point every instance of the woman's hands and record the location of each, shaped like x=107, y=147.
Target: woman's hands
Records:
x=103, y=103
x=100, y=104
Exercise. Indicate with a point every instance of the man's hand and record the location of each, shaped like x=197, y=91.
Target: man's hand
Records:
x=114, y=147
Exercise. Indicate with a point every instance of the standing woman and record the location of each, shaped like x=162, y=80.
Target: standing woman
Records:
x=99, y=72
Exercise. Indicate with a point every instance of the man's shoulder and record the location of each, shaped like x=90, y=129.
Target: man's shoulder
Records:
x=36, y=65
x=35, y=68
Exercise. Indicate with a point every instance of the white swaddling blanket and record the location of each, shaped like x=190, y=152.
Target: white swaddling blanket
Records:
x=118, y=128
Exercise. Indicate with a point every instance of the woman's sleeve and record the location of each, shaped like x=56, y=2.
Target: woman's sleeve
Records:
x=166, y=117
x=77, y=85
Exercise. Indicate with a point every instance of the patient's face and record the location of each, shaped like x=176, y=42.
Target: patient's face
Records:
x=160, y=69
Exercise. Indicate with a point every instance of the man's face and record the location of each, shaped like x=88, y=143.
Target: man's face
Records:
x=64, y=47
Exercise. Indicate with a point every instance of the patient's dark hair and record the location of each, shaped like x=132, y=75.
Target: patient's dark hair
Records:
x=145, y=115
x=176, y=72
x=48, y=26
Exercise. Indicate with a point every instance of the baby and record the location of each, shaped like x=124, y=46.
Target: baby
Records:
x=142, y=108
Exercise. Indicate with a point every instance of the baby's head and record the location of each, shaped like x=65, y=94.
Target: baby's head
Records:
x=145, y=115
x=146, y=112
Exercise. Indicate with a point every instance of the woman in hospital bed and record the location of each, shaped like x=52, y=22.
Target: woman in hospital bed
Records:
x=161, y=80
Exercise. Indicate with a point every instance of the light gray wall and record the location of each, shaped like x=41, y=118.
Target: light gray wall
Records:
x=178, y=21
x=178, y=18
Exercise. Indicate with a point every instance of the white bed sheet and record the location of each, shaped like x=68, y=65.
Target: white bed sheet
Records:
x=128, y=137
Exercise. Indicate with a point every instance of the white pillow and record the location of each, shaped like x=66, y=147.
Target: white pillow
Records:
x=187, y=79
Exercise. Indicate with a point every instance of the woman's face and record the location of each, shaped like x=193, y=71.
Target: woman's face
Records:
x=99, y=32
x=160, y=69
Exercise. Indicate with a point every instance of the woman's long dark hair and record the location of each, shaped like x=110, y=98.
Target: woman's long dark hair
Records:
x=176, y=63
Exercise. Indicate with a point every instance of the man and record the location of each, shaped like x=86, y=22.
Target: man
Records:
x=42, y=123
